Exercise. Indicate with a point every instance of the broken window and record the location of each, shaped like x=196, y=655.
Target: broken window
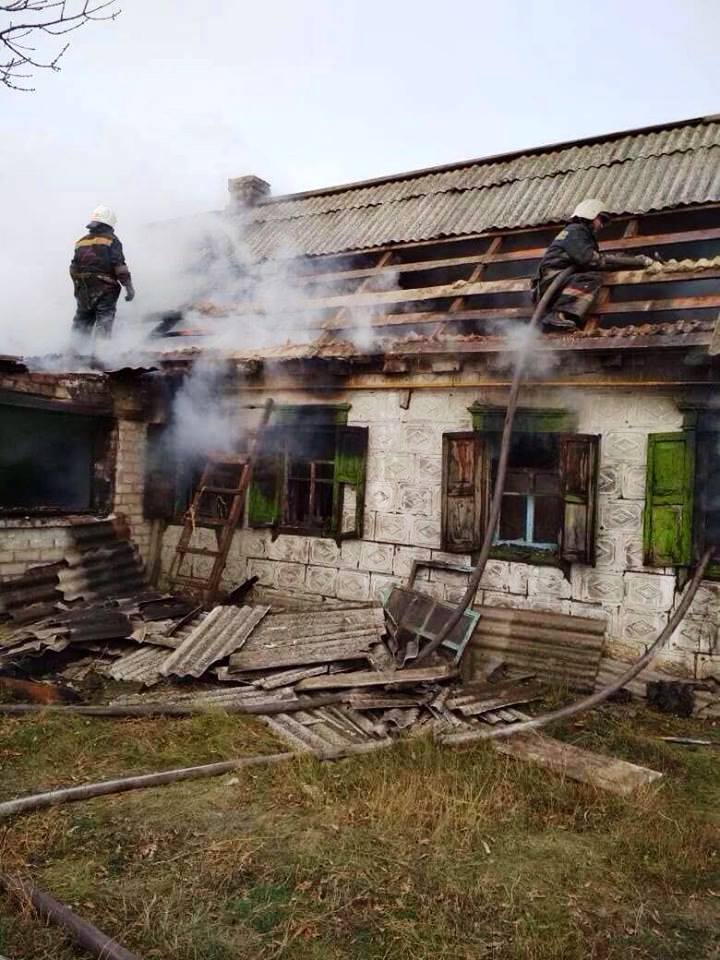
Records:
x=548, y=504
x=53, y=462
x=170, y=479
x=309, y=475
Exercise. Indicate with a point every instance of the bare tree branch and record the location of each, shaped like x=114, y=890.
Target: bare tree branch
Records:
x=25, y=24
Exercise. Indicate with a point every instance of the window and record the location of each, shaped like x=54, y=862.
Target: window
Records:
x=53, y=462
x=531, y=511
x=548, y=505
x=309, y=475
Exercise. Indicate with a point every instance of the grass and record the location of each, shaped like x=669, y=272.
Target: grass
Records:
x=417, y=852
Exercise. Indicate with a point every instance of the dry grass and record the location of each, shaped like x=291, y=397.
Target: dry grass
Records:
x=417, y=852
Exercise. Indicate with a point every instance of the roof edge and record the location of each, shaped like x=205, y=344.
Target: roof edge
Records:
x=492, y=158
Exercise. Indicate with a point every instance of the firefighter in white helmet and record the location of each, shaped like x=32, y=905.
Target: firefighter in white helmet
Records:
x=576, y=246
x=98, y=272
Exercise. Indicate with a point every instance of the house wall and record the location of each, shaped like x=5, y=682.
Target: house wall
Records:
x=402, y=521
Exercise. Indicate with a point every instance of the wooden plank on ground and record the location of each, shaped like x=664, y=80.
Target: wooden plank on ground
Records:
x=378, y=678
x=606, y=773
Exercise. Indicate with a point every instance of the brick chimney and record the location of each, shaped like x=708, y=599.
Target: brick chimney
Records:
x=247, y=191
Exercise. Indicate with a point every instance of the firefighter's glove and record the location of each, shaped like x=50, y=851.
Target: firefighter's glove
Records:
x=129, y=292
x=646, y=261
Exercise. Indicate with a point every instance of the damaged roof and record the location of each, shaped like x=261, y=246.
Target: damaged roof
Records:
x=634, y=172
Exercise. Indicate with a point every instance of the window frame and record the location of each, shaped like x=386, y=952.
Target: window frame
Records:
x=579, y=456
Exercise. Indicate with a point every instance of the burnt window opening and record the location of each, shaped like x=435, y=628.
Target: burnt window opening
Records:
x=531, y=510
x=54, y=462
x=309, y=475
x=170, y=479
x=707, y=495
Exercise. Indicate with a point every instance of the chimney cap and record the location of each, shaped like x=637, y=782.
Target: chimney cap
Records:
x=247, y=191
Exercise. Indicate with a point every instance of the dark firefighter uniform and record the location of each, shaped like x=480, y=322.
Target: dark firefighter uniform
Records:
x=98, y=270
x=576, y=246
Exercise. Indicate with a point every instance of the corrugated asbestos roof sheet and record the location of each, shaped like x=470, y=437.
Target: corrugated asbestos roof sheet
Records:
x=636, y=173
x=224, y=630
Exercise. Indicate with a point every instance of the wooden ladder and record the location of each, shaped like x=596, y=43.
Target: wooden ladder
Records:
x=227, y=476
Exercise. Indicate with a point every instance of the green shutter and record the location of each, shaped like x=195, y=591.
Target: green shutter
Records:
x=349, y=482
x=266, y=482
x=667, y=535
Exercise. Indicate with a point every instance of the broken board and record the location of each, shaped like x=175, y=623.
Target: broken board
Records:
x=606, y=773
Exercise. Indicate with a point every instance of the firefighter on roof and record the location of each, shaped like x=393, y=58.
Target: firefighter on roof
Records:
x=576, y=245
x=98, y=271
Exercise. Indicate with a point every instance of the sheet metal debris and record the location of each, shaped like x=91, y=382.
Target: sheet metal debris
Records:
x=223, y=631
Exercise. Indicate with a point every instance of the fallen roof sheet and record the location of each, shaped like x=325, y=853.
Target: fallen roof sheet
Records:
x=140, y=666
x=224, y=630
x=296, y=639
x=554, y=646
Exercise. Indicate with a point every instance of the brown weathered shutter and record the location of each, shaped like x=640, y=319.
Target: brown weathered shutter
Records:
x=667, y=533
x=579, y=457
x=465, y=491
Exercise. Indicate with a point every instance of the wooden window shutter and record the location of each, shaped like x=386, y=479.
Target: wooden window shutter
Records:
x=263, y=504
x=579, y=457
x=465, y=491
x=667, y=530
x=351, y=445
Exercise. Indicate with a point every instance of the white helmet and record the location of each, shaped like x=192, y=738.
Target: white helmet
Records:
x=105, y=215
x=589, y=209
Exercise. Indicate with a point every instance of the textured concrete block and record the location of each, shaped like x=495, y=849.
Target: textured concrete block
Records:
x=376, y=557
x=372, y=405
x=263, y=569
x=647, y=591
x=494, y=598
x=620, y=515
x=321, y=580
x=349, y=554
x=289, y=576
x=324, y=552
x=496, y=576
x=393, y=528
x=548, y=582
x=426, y=532
x=384, y=437
x=422, y=438
x=428, y=468
x=624, y=445
x=369, y=520
x=632, y=482
x=640, y=626
x=352, y=585
x=429, y=405
x=403, y=561
x=696, y=635
x=609, y=480
x=415, y=499
x=609, y=552
x=379, y=582
x=518, y=577
x=706, y=602
x=399, y=466
x=289, y=548
x=594, y=586
x=550, y=604
x=590, y=611
x=382, y=496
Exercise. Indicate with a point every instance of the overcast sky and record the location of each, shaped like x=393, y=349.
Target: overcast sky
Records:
x=153, y=112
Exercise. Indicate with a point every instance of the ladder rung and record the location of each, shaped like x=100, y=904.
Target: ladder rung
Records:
x=183, y=578
x=208, y=522
x=206, y=488
x=233, y=460
x=200, y=551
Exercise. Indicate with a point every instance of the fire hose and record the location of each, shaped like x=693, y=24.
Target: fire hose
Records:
x=496, y=502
